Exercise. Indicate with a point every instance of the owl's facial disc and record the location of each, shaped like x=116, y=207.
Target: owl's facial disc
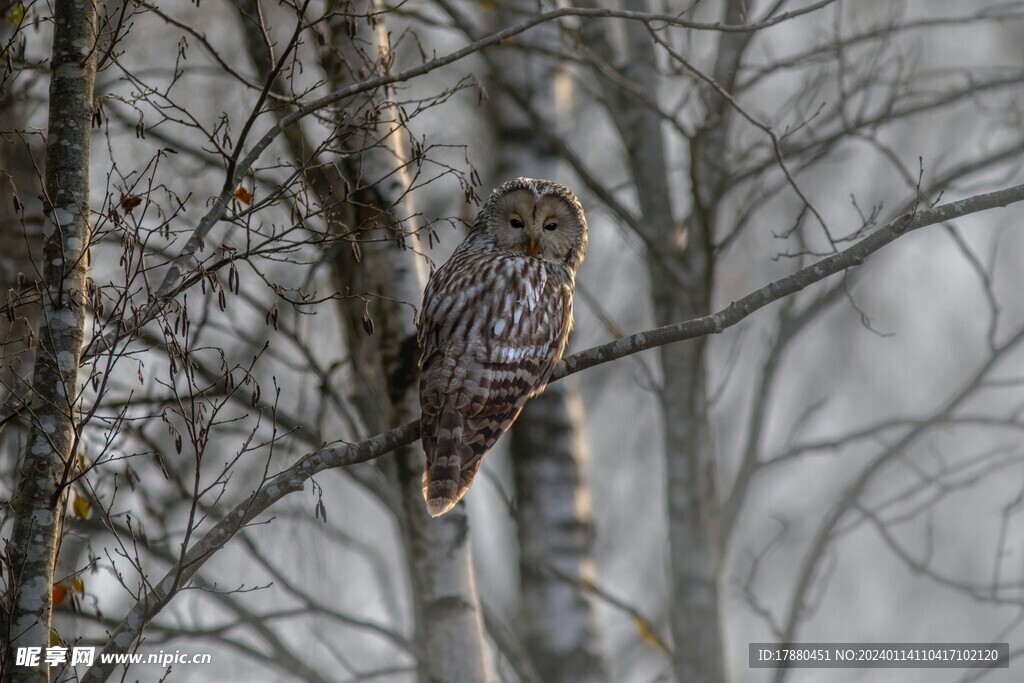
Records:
x=543, y=227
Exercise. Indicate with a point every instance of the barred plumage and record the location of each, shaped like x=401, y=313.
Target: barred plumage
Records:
x=495, y=320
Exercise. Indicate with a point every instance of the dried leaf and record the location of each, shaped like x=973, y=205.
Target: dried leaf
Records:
x=130, y=202
x=57, y=595
x=16, y=14
x=77, y=584
x=243, y=195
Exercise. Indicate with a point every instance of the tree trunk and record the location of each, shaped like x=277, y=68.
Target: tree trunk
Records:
x=555, y=534
x=681, y=273
x=383, y=275
x=547, y=441
x=38, y=505
x=692, y=493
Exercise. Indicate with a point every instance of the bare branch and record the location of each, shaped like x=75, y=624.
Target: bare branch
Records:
x=738, y=310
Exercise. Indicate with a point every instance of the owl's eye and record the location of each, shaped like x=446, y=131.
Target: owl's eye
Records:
x=551, y=226
x=516, y=223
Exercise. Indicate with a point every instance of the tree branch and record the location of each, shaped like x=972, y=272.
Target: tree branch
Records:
x=738, y=310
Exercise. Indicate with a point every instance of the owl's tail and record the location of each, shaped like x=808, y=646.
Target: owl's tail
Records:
x=452, y=463
x=445, y=483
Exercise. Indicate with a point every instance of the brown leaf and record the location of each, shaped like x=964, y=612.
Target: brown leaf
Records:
x=130, y=202
x=243, y=195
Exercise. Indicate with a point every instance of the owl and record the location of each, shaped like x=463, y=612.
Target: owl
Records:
x=495, y=319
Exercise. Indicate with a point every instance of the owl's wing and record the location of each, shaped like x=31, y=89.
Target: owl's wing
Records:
x=490, y=340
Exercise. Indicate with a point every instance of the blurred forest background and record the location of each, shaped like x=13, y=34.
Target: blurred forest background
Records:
x=269, y=183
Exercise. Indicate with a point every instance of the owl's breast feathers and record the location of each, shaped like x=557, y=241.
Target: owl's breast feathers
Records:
x=492, y=328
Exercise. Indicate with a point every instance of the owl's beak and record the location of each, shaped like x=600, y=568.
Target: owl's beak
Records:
x=531, y=248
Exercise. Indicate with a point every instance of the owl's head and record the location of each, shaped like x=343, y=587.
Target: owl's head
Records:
x=538, y=218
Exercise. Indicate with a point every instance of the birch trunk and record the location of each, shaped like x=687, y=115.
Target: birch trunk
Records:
x=555, y=533
x=547, y=441
x=379, y=262
x=692, y=493
x=38, y=504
